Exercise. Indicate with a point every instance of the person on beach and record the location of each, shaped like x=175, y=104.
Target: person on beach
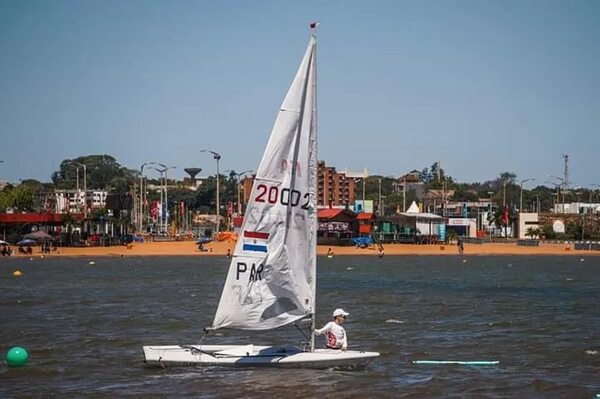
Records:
x=336, y=334
x=329, y=252
x=228, y=253
x=461, y=247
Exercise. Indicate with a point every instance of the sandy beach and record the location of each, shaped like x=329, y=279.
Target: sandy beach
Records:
x=187, y=248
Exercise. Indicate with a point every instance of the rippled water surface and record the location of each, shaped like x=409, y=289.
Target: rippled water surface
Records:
x=84, y=326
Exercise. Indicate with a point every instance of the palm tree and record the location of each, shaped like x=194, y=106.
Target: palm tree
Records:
x=532, y=232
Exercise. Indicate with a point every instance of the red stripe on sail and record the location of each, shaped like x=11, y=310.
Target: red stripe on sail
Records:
x=256, y=234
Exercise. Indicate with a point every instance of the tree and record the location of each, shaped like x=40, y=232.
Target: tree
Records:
x=101, y=170
x=464, y=192
x=23, y=198
x=434, y=175
x=532, y=232
x=497, y=184
x=508, y=177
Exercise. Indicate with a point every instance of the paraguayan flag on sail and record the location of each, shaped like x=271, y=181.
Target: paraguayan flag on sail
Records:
x=255, y=241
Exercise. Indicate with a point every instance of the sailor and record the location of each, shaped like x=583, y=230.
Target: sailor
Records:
x=336, y=335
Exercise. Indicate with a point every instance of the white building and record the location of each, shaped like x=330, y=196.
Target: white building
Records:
x=576, y=207
x=75, y=201
x=527, y=221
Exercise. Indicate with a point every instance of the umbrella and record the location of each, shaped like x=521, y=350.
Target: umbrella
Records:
x=3, y=243
x=38, y=235
x=26, y=243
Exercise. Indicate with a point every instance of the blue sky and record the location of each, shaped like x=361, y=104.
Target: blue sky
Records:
x=482, y=86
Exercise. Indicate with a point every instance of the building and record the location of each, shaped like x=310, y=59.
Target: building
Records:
x=528, y=221
x=576, y=207
x=336, y=226
x=410, y=182
x=73, y=201
x=334, y=189
x=435, y=200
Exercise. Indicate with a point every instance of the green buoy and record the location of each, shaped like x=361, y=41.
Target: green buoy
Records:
x=17, y=357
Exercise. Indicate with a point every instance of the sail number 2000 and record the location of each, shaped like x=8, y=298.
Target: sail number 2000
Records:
x=285, y=196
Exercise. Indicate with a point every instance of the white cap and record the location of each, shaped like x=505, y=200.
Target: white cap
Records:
x=340, y=312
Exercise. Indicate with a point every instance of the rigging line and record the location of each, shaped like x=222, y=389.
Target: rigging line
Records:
x=206, y=331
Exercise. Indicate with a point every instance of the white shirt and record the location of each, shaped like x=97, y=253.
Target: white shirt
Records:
x=336, y=335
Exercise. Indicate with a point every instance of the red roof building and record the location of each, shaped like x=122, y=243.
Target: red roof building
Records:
x=329, y=213
x=36, y=218
x=336, y=226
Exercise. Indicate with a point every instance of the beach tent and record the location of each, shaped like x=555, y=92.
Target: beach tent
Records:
x=38, y=235
x=425, y=222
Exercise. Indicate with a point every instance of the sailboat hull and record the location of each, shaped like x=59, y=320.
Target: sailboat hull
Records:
x=254, y=356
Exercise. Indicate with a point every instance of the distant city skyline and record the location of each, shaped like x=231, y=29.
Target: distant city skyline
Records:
x=482, y=87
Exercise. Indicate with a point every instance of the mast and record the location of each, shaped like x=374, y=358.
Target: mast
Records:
x=314, y=171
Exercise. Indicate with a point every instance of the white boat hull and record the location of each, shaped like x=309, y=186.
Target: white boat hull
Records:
x=250, y=355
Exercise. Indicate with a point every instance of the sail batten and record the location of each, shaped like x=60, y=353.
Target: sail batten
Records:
x=272, y=274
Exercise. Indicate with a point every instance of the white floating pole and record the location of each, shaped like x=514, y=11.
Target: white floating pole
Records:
x=460, y=362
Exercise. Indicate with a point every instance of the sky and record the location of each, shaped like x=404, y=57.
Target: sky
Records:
x=481, y=86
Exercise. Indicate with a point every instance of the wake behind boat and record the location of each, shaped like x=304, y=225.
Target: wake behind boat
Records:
x=271, y=281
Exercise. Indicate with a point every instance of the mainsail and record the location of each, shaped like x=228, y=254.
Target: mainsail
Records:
x=272, y=276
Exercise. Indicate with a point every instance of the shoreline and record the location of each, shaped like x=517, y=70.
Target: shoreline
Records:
x=189, y=248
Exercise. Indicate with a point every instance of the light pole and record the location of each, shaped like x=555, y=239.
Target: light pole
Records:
x=77, y=165
x=379, y=201
x=521, y=196
x=356, y=180
x=404, y=194
x=160, y=214
x=582, y=214
x=491, y=215
x=562, y=185
x=443, y=198
x=142, y=192
x=163, y=188
x=364, y=182
x=555, y=196
x=217, y=157
x=239, y=189
x=166, y=188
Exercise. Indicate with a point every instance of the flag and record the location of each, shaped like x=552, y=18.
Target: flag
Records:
x=255, y=241
x=505, y=216
x=154, y=210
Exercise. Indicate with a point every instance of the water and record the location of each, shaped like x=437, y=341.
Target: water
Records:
x=84, y=326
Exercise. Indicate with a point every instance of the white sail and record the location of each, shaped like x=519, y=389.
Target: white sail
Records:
x=272, y=276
